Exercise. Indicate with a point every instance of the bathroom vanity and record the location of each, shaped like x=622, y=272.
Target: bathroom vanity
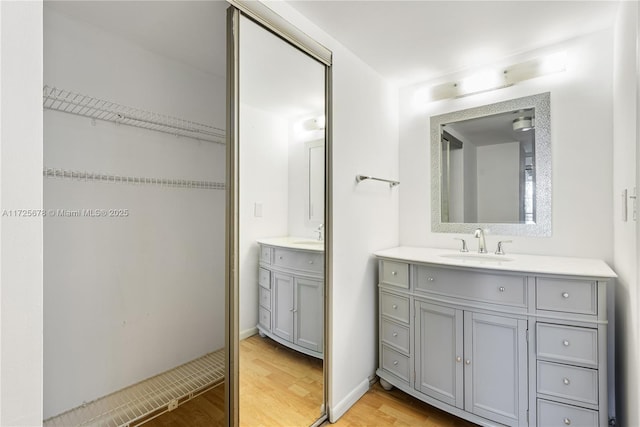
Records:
x=496, y=339
x=291, y=293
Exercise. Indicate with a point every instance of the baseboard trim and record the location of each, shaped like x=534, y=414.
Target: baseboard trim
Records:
x=350, y=399
x=248, y=333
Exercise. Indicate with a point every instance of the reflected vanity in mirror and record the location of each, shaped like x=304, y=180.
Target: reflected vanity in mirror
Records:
x=491, y=168
x=281, y=247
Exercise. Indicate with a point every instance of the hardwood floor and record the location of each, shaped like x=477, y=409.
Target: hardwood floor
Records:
x=281, y=387
x=378, y=408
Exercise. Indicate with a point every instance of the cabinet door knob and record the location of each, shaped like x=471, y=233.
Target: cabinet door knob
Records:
x=310, y=261
x=394, y=273
x=395, y=334
x=431, y=279
x=458, y=359
x=280, y=257
x=566, y=381
x=395, y=363
x=565, y=343
x=567, y=421
x=395, y=306
x=501, y=289
x=565, y=295
x=467, y=362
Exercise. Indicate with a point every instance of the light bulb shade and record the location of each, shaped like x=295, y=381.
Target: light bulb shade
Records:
x=523, y=124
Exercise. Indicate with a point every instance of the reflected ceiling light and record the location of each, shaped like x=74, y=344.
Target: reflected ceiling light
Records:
x=523, y=124
x=496, y=79
x=315, y=123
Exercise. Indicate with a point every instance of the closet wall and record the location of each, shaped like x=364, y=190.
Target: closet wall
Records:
x=127, y=297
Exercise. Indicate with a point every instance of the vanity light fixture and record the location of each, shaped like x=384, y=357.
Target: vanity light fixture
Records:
x=487, y=80
x=523, y=124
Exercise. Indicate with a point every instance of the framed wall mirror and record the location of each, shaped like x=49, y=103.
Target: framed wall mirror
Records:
x=491, y=168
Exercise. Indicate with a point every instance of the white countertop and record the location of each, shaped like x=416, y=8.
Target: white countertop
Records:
x=293, y=242
x=538, y=264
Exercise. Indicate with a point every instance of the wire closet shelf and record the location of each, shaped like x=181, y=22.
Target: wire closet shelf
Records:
x=100, y=109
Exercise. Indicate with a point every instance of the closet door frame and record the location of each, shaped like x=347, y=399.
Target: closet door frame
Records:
x=270, y=21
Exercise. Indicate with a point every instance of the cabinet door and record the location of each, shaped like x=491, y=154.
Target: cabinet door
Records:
x=308, y=314
x=282, y=313
x=495, y=367
x=439, y=352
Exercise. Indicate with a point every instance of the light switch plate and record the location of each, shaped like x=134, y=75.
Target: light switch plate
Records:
x=257, y=209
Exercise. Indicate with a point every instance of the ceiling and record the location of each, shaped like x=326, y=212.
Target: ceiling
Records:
x=404, y=41
x=411, y=41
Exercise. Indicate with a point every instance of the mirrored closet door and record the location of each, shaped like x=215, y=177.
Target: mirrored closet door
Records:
x=280, y=251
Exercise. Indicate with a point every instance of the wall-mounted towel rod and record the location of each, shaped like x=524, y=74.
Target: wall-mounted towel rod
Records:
x=391, y=182
x=135, y=180
x=99, y=109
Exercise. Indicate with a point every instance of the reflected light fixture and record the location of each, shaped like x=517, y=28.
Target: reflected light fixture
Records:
x=523, y=124
x=486, y=80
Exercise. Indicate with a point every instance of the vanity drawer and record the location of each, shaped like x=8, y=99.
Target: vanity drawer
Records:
x=264, y=318
x=395, y=335
x=569, y=382
x=571, y=296
x=394, y=273
x=395, y=362
x=569, y=344
x=265, y=254
x=476, y=286
x=264, y=278
x=553, y=414
x=394, y=306
x=265, y=298
x=299, y=260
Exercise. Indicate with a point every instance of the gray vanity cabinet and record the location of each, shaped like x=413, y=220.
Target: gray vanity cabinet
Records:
x=495, y=347
x=291, y=297
x=473, y=361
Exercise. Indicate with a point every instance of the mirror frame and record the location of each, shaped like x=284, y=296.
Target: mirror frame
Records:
x=543, y=196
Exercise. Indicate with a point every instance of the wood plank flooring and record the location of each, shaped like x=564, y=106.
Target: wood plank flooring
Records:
x=281, y=387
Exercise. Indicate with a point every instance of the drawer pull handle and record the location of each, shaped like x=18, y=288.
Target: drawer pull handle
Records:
x=394, y=306
x=468, y=362
x=565, y=295
x=395, y=334
x=280, y=257
x=566, y=343
x=567, y=421
x=501, y=289
x=395, y=363
x=431, y=279
x=566, y=381
x=458, y=359
x=394, y=273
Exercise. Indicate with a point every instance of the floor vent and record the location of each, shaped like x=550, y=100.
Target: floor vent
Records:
x=149, y=398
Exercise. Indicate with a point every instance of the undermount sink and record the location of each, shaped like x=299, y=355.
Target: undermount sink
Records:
x=477, y=257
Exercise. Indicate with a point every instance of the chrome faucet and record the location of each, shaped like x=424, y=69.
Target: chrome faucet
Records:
x=319, y=231
x=479, y=234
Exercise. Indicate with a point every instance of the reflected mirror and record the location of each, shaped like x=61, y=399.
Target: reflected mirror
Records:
x=491, y=168
x=281, y=187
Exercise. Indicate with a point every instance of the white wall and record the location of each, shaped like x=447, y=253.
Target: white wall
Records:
x=264, y=174
x=498, y=171
x=625, y=250
x=581, y=129
x=365, y=141
x=21, y=237
x=128, y=298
